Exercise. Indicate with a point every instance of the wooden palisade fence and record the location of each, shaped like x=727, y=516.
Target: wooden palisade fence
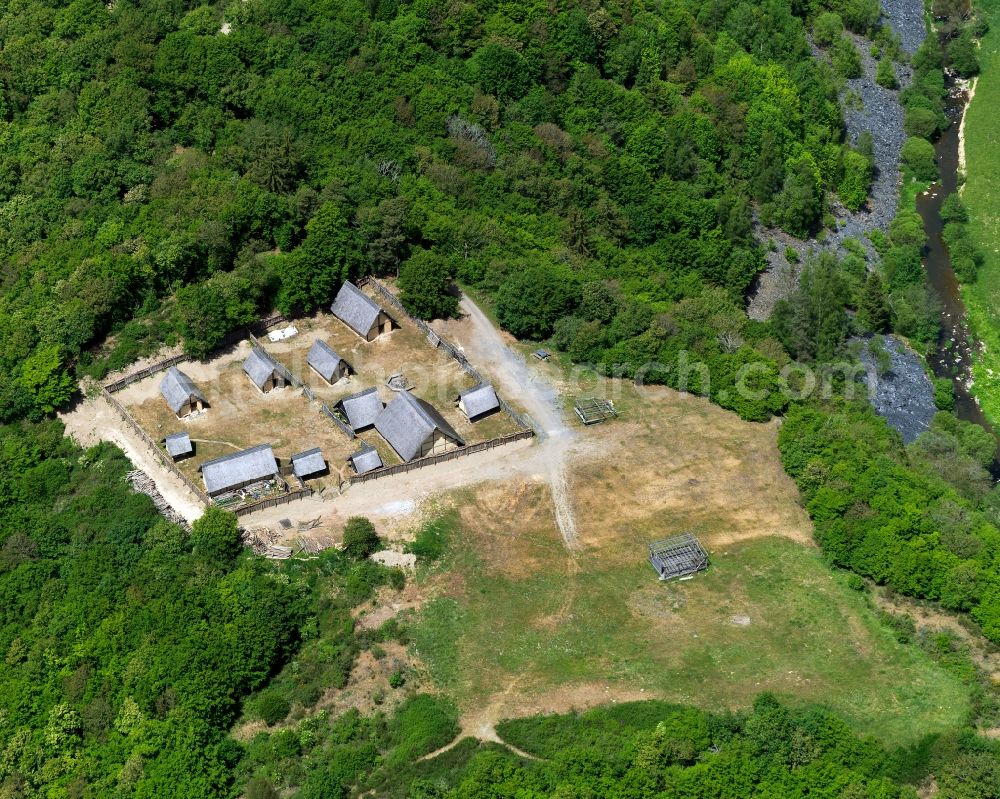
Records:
x=525, y=432
x=460, y=452
x=137, y=429
x=272, y=502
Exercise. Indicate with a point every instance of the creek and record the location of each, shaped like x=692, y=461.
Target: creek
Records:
x=952, y=358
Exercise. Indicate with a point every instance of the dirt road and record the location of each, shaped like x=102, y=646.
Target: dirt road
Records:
x=94, y=420
x=486, y=348
x=517, y=381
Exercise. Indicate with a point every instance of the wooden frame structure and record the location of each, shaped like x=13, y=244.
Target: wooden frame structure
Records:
x=677, y=557
x=593, y=410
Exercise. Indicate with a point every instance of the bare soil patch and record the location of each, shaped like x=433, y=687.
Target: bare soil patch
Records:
x=512, y=521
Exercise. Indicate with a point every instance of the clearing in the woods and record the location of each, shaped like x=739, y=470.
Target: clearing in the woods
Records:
x=517, y=624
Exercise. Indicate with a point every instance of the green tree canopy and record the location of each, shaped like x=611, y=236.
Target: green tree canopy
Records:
x=425, y=286
x=360, y=538
x=215, y=536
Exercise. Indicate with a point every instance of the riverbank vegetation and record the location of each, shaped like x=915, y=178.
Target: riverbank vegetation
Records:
x=980, y=196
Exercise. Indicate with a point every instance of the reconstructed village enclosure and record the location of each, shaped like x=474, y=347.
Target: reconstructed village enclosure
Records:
x=341, y=395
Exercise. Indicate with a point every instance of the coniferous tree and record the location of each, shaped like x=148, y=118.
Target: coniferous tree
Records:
x=874, y=313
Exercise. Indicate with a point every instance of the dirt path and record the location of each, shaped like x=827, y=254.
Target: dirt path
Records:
x=482, y=726
x=485, y=347
x=94, y=420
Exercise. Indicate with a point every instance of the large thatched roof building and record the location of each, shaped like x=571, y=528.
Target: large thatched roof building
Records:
x=327, y=363
x=265, y=372
x=180, y=392
x=415, y=428
x=231, y=472
x=361, y=313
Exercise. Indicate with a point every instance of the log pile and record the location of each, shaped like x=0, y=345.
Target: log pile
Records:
x=262, y=541
x=142, y=483
x=316, y=543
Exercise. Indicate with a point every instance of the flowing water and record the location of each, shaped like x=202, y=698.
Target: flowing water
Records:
x=953, y=357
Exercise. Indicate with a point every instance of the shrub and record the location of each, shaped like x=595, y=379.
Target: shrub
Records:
x=396, y=679
x=827, y=29
x=846, y=59
x=962, y=55
x=860, y=16
x=920, y=122
x=422, y=724
x=261, y=788
x=853, y=188
x=944, y=394
x=885, y=74
x=431, y=539
x=272, y=707
x=918, y=155
x=360, y=538
x=953, y=209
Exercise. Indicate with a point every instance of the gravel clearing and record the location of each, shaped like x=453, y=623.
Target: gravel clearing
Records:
x=906, y=18
x=882, y=115
x=903, y=396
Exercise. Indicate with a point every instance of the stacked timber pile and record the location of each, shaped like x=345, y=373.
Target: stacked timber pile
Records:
x=142, y=483
x=315, y=542
x=262, y=541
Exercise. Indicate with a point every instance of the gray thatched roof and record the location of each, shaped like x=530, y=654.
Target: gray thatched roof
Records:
x=178, y=389
x=356, y=309
x=178, y=444
x=240, y=468
x=362, y=408
x=260, y=367
x=479, y=400
x=408, y=421
x=324, y=360
x=366, y=459
x=308, y=462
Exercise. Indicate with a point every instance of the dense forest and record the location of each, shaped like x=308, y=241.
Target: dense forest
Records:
x=170, y=171
x=596, y=168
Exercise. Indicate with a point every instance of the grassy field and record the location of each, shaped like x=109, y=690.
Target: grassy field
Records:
x=982, y=197
x=523, y=620
x=768, y=616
